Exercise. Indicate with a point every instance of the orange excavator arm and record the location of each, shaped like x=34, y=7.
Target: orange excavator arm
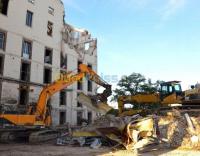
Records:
x=50, y=90
x=93, y=76
x=66, y=81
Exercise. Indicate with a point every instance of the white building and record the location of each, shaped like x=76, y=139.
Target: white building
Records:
x=36, y=45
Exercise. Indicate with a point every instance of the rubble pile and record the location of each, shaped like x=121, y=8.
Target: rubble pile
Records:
x=106, y=121
x=129, y=132
x=175, y=130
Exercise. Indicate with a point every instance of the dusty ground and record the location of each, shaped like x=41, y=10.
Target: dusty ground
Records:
x=53, y=150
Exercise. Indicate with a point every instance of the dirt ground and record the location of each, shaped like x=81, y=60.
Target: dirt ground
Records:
x=53, y=150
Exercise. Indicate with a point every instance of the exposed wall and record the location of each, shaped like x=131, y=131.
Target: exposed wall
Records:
x=14, y=25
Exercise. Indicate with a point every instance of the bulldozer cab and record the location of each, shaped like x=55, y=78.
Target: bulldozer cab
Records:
x=169, y=88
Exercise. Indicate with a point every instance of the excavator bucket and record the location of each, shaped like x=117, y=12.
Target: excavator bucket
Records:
x=100, y=107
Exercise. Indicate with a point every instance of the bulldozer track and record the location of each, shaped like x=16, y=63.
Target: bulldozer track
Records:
x=183, y=109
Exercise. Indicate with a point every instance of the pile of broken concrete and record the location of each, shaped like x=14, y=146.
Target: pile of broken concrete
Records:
x=137, y=132
x=180, y=130
x=128, y=132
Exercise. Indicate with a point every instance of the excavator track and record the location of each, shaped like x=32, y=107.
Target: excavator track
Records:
x=7, y=137
x=42, y=136
x=33, y=135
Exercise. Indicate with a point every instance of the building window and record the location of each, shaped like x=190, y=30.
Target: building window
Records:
x=89, y=84
x=80, y=85
x=78, y=103
x=80, y=82
x=25, y=71
x=51, y=10
x=0, y=89
x=87, y=46
x=4, y=6
x=62, y=118
x=23, y=95
x=50, y=28
x=89, y=117
x=63, y=61
x=31, y=1
x=48, y=56
x=1, y=64
x=2, y=40
x=26, y=49
x=79, y=118
x=47, y=75
x=29, y=18
x=63, y=99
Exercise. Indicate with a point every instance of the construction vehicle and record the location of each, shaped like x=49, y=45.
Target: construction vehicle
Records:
x=170, y=94
x=192, y=95
x=34, y=126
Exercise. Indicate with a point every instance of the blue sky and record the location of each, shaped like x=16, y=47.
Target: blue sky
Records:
x=157, y=38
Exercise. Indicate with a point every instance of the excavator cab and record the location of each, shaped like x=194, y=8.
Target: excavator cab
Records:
x=170, y=91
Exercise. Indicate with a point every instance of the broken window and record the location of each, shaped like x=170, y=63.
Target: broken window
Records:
x=2, y=40
x=89, y=84
x=51, y=10
x=89, y=117
x=87, y=46
x=29, y=18
x=79, y=118
x=31, y=1
x=63, y=99
x=4, y=6
x=47, y=75
x=62, y=118
x=48, y=56
x=63, y=61
x=79, y=104
x=1, y=64
x=25, y=71
x=79, y=83
x=26, y=49
x=23, y=95
x=76, y=34
x=50, y=28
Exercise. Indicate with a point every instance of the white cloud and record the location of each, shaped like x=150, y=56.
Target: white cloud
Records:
x=171, y=8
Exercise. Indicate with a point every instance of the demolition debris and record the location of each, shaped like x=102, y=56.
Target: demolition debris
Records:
x=137, y=132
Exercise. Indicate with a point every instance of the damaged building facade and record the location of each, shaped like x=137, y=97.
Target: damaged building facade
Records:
x=36, y=46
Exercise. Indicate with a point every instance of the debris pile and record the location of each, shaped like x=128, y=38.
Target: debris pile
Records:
x=180, y=131
x=136, y=132
x=130, y=132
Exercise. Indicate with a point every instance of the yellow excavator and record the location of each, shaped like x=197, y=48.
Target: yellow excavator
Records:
x=170, y=94
x=34, y=125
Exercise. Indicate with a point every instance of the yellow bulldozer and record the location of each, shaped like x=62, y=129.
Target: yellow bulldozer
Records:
x=170, y=94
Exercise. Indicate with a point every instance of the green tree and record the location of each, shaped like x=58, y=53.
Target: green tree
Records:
x=134, y=84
